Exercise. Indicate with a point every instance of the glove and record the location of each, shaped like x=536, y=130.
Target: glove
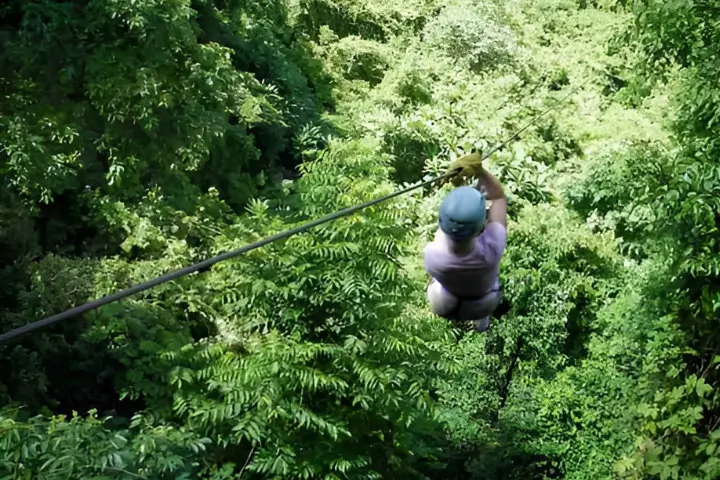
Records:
x=468, y=166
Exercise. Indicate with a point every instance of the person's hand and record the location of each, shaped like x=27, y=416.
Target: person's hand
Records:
x=468, y=166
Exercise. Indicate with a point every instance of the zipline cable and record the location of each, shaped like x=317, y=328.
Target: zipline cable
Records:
x=206, y=264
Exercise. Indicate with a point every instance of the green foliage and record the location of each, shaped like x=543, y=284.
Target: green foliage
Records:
x=130, y=129
x=83, y=447
x=328, y=372
x=367, y=19
x=469, y=31
x=352, y=58
x=616, y=193
x=139, y=137
x=677, y=403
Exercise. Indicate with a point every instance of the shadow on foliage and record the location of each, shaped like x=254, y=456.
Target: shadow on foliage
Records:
x=499, y=456
x=114, y=360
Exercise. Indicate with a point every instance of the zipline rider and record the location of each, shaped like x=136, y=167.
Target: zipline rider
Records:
x=463, y=260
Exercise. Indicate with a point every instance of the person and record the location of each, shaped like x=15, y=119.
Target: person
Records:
x=463, y=260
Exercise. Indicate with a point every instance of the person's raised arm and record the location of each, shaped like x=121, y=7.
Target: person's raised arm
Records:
x=496, y=194
x=469, y=166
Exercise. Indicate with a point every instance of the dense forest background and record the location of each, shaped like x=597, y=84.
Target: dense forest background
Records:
x=139, y=136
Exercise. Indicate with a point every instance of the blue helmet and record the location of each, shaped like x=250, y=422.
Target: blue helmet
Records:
x=462, y=213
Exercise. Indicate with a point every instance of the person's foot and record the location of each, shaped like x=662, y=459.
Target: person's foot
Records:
x=482, y=324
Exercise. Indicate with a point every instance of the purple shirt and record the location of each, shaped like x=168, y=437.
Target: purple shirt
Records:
x=474, y=274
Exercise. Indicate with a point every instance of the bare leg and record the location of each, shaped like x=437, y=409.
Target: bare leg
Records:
x=441, y=302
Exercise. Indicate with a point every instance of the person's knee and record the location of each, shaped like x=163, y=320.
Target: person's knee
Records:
x=442, y=306
x=441, y=303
